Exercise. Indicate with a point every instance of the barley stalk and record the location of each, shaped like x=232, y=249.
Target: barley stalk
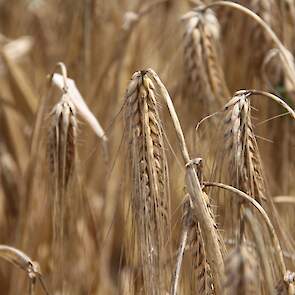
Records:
x=201, y=280
x=150, y=196
x=286, y=56
x=207, y=225
x=202, y=60
x=253, y=92
x=245, y=163
x=246, y=167
x=181, y=248
x=21, y=260
x=268, y=222
x=62, y=161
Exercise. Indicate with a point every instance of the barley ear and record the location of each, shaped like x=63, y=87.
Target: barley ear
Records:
x=150, y=194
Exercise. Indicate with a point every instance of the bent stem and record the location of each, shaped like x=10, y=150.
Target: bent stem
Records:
x=263, y=214
x=283, y=50
x=271, y=96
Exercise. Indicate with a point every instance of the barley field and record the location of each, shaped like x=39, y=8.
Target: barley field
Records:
x=147, y=147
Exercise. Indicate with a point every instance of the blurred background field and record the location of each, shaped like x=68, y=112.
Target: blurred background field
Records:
x=202, y=60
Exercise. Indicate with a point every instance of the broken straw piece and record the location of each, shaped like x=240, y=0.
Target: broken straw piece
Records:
x=80, y=104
